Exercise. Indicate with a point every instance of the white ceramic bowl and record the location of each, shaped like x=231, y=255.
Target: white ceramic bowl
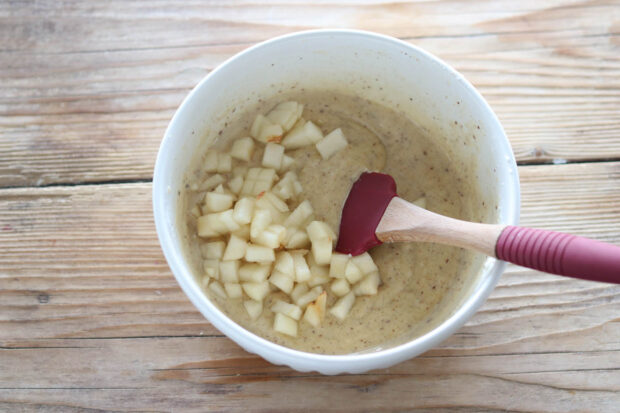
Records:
x=390, y=71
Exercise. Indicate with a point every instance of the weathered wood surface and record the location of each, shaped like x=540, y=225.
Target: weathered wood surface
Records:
x=87, y=88
x=90, y=317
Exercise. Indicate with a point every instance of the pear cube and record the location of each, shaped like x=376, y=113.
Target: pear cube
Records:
x=285, y=325
x=290, y=310
x=341, y=309
x=254, y=308
x=256, y=290
x=331, y=144
x=243, y=149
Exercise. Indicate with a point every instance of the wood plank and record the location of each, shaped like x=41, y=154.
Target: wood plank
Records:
x=88, y=88
x=90, y=317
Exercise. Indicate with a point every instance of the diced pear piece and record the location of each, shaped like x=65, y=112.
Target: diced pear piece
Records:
x=285, y=264
x=353, y=274
x=263, y=203
x=204, y=210
x=267, y=175
x=254, y=308
x=285, y=114
x=340, y=287
x=248, y=187
x=288, y=309
x=205, y=227
x=309, y=297
x=272, y=157
x=204, y=281
x=315, y=312
x=311, y=315
x=365, y=263
x=302, y=271
x=265, y=131
x=260, y=221
x=256, y=290
x=229, y=271
x=211, y=182
x=242, y=149
x=284, y=189
x=220, y=222
x=244, y=210
x=322, y=251
x=332, y=143
x=260, y=187
x=259, y=123
x=320, y=274
x=217, y=288
x=321, y=236
x=210, y=162
x=421, y=202
x=213, y=250
x=254, y=272
x=338, y=265
x=297, y=239
x=258, y=253
x=211, y=268
x=236, y=184
x=258, y=180
x=271, y=237
x=300, y=110
x=218, y=202
x=318, y=230
x=219, y=189
x=369, y=285
x=195, y=211
x=235, y=249
x=226, y=218
x=285, y=325
x=341, y=309
x=299, y=290
x=302, y=135
x=283, y=281
x=302, y=213
x=240, y=170
x=272, y=133
x=243, y=232
x=287, y=162
x=233, y=290
x=224, y=163
x=253, y=173
x=312, y=132
x=277, y=203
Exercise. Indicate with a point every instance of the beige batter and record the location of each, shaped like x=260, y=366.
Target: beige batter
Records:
x=416, y=277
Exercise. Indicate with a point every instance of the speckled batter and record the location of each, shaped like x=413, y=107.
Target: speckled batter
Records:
x=416, y=277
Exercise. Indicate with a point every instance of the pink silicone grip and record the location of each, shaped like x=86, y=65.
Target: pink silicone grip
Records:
x=560, y=253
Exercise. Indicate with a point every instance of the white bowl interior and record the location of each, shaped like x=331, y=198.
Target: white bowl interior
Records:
x=388, y=71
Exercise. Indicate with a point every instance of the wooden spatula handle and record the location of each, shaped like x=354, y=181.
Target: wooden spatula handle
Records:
x=548, y=251
x=560, y=253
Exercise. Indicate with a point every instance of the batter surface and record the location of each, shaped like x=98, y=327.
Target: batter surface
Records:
x=416, y=277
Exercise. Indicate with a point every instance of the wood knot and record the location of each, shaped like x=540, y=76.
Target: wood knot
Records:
x=43, y=298
x=538, y=152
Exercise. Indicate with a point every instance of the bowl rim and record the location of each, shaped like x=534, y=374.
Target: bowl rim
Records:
x=302, y=360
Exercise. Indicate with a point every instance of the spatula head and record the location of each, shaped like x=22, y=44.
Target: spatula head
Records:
x=363, y=209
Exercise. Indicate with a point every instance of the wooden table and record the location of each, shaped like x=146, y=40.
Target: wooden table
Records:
x=92, y=318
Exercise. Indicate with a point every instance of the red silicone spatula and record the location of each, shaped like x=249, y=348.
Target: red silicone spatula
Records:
x=373, y=213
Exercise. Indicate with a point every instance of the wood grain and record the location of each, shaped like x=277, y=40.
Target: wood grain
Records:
x=91, y=318
x=88, y=87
